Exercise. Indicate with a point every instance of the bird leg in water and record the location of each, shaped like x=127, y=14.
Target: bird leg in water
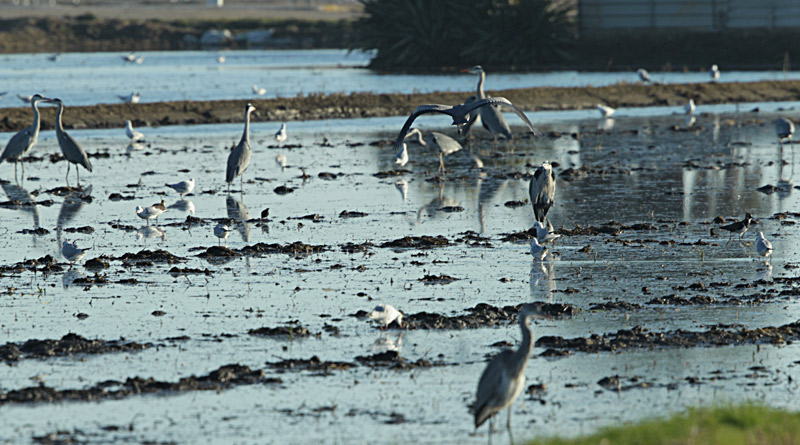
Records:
x=441, y=163
x=508, y=425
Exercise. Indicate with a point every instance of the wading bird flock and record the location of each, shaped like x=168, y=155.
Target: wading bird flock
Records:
x=503, y=378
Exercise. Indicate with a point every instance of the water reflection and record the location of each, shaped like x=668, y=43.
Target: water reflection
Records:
x=764, y=272
x=134, y=146
x=543, y=279
x=72, y=274
x=488, y=190
x=402, y=187
x=149, y=232
x=22, y=200
x=183, y=205
x=436, y=205
x=606, y=124
x=387, y=343
x=239, y=213
x=74, y=201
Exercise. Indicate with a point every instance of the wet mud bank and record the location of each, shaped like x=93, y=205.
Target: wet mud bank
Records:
x=363, y=105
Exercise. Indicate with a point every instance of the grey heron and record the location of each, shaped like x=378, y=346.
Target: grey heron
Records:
x=148, y=213
x=739, y=227
x=222, y=231
x=474, y=116
x=386, y=314
x=491, y=116
x=258, y=91
x=460, y=115
x=784, y=128
x=280, y=135
x=72, y=252
x=504, y=377
x=443, y=143
x=542, y=190
x=22, y=142
x=763, y=246
x=134, y=135
x=689, y=107
x=644, y=76
x=714, y=72
x=239, y=158
x=70, y=148
x=605, y=110
x=182, y=187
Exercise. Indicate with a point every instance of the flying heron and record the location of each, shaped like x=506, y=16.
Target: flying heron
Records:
x=22, y=142
x=134, y=135
x=182, y=187
x=644, y=76
x=714, y=72
x=504, y=377
x=460, y=115
x=542, y=190
x=443, y=143
x=70, y=148
x=239, y=158
x=491, y=117
x=763, y=246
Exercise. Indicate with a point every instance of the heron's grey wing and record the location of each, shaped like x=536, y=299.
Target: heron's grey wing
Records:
x=493, y=388
x=506, y=103
x=420, y=110
x=238, y=161
x=72, y=150
x=17, y=144
x=446, y=144
x=494, y=121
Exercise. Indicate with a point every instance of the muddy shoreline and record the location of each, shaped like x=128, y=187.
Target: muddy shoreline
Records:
x=361, y=105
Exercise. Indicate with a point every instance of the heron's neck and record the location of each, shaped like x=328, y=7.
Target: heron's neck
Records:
x=522, y=354
x=246, y=133
x=59, y=113
x=481, y=94
x=421, y=141
x=36, y=118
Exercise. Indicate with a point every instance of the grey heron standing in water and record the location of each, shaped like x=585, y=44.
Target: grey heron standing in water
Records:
x=504, y=377
x=239, y=158
x=491, y=117
x=443, y=143
x=70, y=148
x=22, y=142
x=542, y=190
x=460, y=115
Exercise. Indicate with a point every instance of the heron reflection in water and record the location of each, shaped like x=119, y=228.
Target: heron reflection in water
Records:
x=437, y=205
x=74, y=201
x=239, y=213
x=25, y=202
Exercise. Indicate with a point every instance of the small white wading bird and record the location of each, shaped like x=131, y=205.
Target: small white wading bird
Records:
x=134, y=135
x=460, y=115
x=544, y=235
x=148, y=213
x=259, y=91
x=689, y=107
x=538, y=251
x=132, y=98
x=385, y=315
x=714, y=73
x=183, y=187
x=763, y=246
x=542, y=190
x=784, y=128
x=222, y=231
x=605, y=110
x=504, y=377
x=22, y=142
x=644, y=76
x=70, y=148
x=239, y=158
x=72, y=253
x=443, y=143
x=280, y=135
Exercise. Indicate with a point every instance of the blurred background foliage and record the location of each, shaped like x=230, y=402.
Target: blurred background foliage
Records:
x=440, y=35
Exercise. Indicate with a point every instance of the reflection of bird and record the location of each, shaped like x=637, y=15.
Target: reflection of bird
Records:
x=238, y=212
x=460, y=115
x=689, y=107
x=644, y=76
x=22, y=142
x=280, y=135
x=386, y=314
x=239, y=158
x=22, y=200
x=259, y=91
x=132, y=98
x=784, y=128
x=544, y=234
x=222, y=231
x=605, y=110
x=183, y=205
x=182, y=187
x=134, y=135
x=402, y=157
x=72, y=152
x=443, y=143
x=72, y=252
x=543, y=280
x=151, y=232
x=133, y=146
x=714, y=72
x=504, y=377
x=739, y=227
x=491, y=117
x=763, y=246
x=384, y=344
x=148, y=213
x=73, y=203
x=538, y=251
x=542, y=190
x=402, y=187
x=280, y=159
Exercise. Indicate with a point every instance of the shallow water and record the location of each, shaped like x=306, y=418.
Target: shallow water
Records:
x=658, y=187
x=91, y=78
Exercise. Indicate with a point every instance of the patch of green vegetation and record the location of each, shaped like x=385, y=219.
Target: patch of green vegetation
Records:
x=729, y=425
